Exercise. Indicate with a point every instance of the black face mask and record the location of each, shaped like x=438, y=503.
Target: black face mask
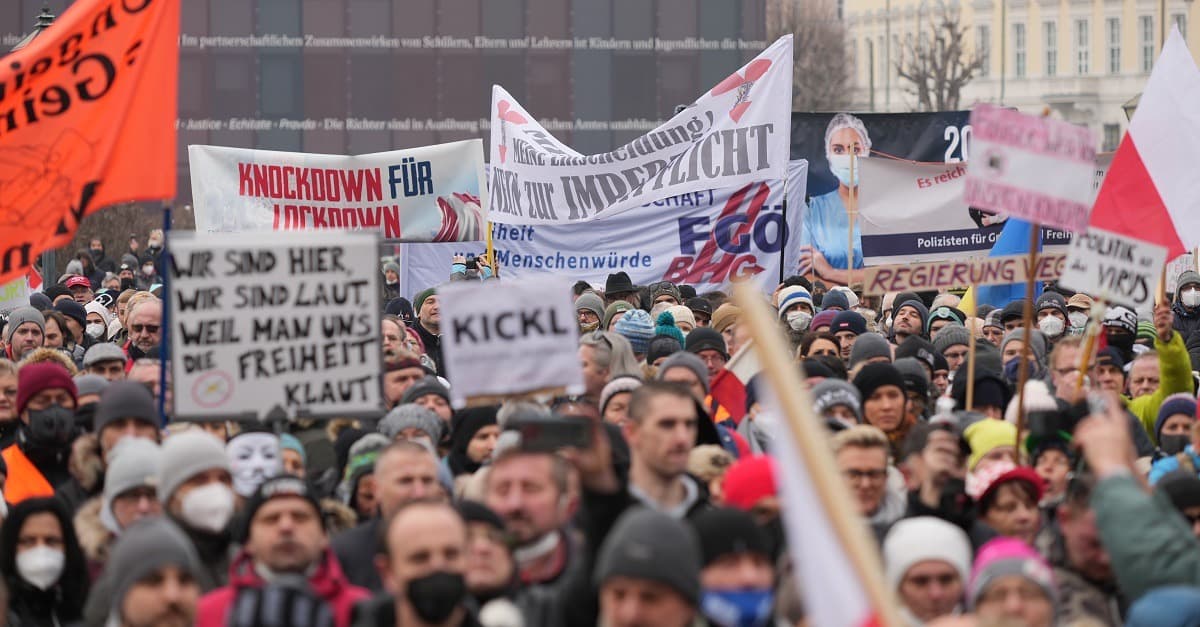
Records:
x=436, y=595
x=1124, y=343
x=51, y=427
x=1173, y=444
x=85, y=416
x=126, y=284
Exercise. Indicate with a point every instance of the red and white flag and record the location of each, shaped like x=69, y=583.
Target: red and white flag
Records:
x=1151, y=192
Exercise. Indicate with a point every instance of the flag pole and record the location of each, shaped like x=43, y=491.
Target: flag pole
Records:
x=1035, y=232
x=971, y=359
x=811, y=442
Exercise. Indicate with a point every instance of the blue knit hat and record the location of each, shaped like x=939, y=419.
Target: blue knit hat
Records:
x=1182, y=403
x=636, y=327
x=791, y=295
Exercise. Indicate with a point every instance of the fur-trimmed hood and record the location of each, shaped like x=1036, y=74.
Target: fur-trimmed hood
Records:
x=86, y=464
x=338, y=517
x=94, y=537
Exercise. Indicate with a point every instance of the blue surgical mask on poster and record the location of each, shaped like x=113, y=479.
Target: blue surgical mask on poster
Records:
x=738, y=608
x=840, y=166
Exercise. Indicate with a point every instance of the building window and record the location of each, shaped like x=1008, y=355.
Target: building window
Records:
x=1082, y=59
x=1050, y=32
x=1146, y=41
x=1112, y=137
x=983, y=49
x=1019, y=50
x=1180, y=20
x=1113, y=25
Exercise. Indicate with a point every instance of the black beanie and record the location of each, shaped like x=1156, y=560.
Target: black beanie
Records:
x=474, y=511
x=278, y=486
x=877, y=375
x=918, y=347
x=725, y=531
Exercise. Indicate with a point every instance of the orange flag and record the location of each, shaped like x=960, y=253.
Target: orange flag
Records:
x=87, y=120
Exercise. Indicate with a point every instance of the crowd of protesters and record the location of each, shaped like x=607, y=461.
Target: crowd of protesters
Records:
x=668, y=517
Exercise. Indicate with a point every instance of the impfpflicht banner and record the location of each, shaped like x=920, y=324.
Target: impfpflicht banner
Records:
x=428, y=194
x=88, y=121
x=736, y=133
x=707, y=239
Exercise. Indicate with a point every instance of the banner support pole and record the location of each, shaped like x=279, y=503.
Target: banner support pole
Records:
x=971, y=361
x=164, y=357
x=1089, y=343
x=1035, y=233
x=810, y=440
x=491, y=251
x=851, y=215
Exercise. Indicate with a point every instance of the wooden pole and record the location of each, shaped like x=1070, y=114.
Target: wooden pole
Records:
x=1089, y=344
x=851, y=215
x=1035, y=234
x=811, y=441
x=491, y=251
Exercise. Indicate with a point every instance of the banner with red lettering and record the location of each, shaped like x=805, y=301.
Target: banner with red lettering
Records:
x=428, y=194
x=87, y=120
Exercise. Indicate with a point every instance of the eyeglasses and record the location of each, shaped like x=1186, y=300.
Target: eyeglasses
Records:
x=148, y=328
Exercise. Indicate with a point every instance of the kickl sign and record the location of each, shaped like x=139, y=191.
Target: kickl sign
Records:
x=289, y=320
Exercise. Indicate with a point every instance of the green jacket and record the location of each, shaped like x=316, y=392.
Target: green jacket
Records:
x=1149, y=543
x=1175, y=376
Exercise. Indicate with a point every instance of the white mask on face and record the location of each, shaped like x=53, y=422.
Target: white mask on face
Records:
x=799, y=320
x=253, y=458
x=96, y=330
x=1190, y=297
x=148, y=269
x=1052, y=326
x=41, y=566
x=1078, y=319
x=208, y=507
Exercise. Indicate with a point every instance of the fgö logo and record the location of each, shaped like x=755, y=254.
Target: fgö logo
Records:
x=731, y=245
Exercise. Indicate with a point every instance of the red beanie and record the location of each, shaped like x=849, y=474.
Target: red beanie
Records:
x=46, y=375
x=748, y=481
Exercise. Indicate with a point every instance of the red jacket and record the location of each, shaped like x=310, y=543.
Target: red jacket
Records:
x=327, y=582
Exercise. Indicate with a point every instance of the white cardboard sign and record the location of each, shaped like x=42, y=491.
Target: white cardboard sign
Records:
x=1111, y=266
x=509, y=338
x=288, y=320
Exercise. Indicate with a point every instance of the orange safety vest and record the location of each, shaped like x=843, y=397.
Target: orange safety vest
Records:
x=25, y=481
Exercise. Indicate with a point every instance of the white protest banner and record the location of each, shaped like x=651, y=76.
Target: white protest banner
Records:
x=1031, y=167
x=14, y=294
x=914, y=212
x=429, y=194
x=509, y=338
x=953, y=273
x=1175, y=267
x=738, y=132
x=1114, y=267
x=706, y=239
x=265, y=320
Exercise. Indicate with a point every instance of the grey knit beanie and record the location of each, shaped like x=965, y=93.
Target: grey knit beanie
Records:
x=832, y=392
x=132, y=463
x=617, y=386
x=125, y=399
x=412, y=416
x=687, y=360
x=590, y=302
x=88, y=384
x=869, y=345
x=651, y=546
x=424, y=387
x=20, y=316
x=1037, y=343
x=103, y=351
x=142, y=550
x=190, y=453
x=951, y=335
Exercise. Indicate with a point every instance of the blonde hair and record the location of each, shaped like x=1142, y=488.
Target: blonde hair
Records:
x=7, y=367
x=860, y=436
x=44, y=354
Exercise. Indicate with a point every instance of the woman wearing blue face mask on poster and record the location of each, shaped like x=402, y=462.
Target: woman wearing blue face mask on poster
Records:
x=826, y=220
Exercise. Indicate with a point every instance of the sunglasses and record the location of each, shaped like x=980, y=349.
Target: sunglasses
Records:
x=148, y=328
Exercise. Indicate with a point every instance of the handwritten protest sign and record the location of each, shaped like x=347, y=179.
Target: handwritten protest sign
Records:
x=1175, y=267
x=1034, y=168
x=14, y=294
x=944, y=275
x=511, y=338
x=288, y=320
x=736, y=133
x=1114, y=267
x=429, y=194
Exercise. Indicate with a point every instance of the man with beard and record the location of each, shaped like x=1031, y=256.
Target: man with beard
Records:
x=528, y=490
x=152, y=578
x=285, y=535
x=909, y=320
x=24, y=332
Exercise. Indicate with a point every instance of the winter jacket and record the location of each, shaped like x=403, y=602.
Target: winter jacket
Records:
x=94, y=538
x=1149, y=543
x=1171, y=463
x=327, y=582
x=1175, y=376
x=433, y=347
x=1079, y=598
x=1187, y=323
x=214, y=549
x=87, y=473
x=381, y=612
x=356, y=550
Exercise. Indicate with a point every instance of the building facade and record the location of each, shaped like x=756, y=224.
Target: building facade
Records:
x=1082, y=59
